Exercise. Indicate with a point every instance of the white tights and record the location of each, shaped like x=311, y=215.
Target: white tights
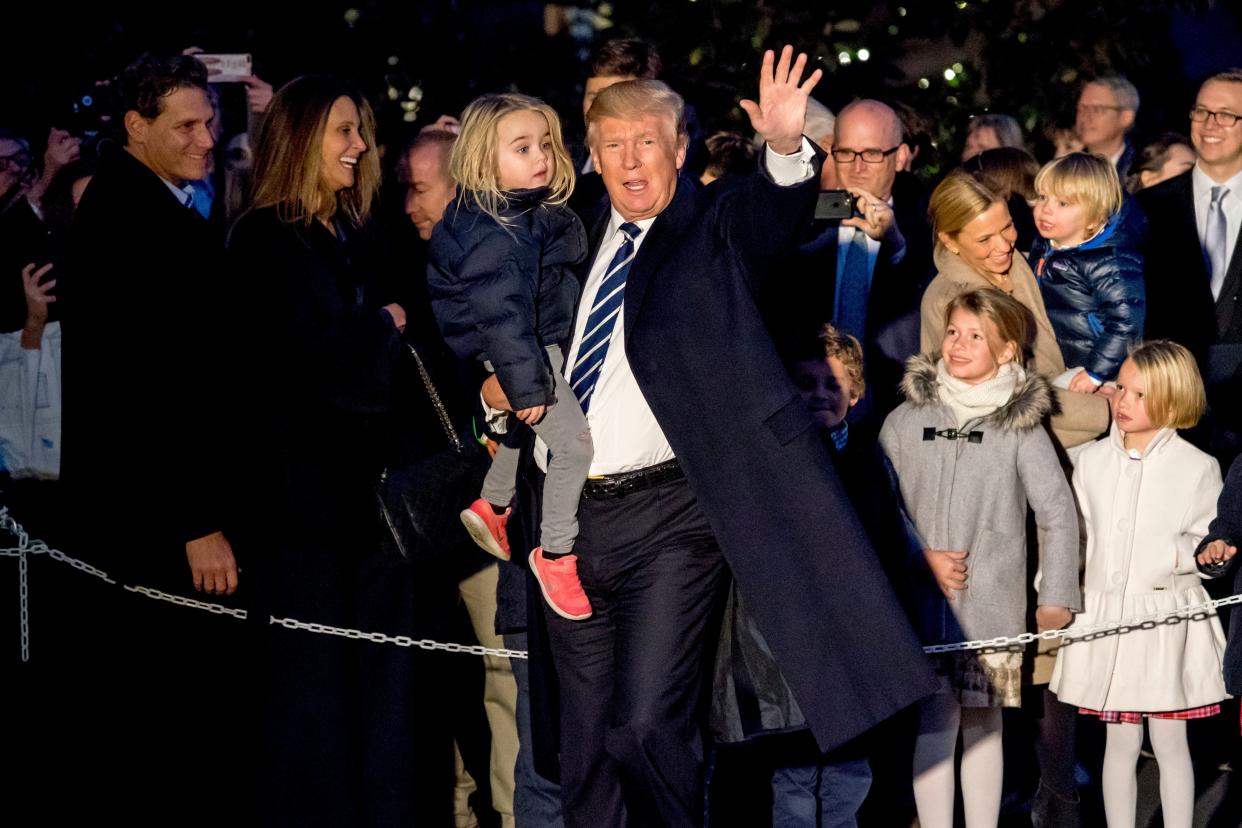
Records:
x=1177, y=778
x=983, y=769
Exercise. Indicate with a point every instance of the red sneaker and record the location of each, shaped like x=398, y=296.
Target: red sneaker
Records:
x=558, y=579
x=487, y=528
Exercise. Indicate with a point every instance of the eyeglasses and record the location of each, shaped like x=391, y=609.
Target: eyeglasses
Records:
x=871, y=156
x=1096, y=110
x=16, y=161
x=1225, y=119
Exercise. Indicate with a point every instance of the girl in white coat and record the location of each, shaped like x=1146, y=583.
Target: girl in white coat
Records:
x=1147, y=497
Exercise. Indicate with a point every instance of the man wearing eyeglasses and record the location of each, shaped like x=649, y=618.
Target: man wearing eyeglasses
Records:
x=1194, y=269
x=1107, y=107
x=865, y=274
x=15, y=162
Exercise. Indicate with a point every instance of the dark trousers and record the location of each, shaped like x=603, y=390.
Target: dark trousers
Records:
x=632, y=675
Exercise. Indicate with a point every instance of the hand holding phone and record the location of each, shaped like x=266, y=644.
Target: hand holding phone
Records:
x=226, y=68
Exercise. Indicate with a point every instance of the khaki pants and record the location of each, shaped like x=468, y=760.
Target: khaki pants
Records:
x=499, y=702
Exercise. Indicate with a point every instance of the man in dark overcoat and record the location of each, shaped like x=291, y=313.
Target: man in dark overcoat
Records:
x=148, y=467
x=706, y=461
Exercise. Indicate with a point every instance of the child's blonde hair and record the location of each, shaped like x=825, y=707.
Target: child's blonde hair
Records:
x=1174, y=390
x=1009, y=316
x=1082, y=178
x=474, y=163
x=843, y=346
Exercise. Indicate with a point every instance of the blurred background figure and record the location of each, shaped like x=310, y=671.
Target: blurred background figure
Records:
x=1169, y=154
x=989, y=131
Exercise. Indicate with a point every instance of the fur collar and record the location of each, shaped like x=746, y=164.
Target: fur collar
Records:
x=1032, y=400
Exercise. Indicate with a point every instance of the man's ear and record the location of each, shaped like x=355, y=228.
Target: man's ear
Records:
x=683, y=144
x=136, y=127
x=903, y=156
x=1127, y=118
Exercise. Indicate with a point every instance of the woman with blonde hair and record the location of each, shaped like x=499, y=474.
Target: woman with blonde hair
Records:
x=975, y=247
x=339, y=717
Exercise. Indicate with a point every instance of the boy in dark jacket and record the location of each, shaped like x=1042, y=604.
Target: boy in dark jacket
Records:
x=1089, y=266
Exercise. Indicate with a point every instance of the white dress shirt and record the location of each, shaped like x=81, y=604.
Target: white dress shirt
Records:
x=624, y=431
x=1231, y=204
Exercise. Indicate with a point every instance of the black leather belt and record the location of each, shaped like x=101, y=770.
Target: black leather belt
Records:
x=619, y=485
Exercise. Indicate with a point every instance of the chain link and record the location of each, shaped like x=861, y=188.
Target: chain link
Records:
x=1072, y=634
x=38, y=547
x=1194, y=612
x=398, y=640
x=23, y=590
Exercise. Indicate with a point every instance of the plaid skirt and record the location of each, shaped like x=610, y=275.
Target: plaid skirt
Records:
x=1131, y=717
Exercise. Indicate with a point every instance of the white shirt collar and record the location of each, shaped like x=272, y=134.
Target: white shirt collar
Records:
x=1203, y=185
x=185, y=195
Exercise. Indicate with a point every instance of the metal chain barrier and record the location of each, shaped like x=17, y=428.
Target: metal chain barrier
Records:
x=26, y=546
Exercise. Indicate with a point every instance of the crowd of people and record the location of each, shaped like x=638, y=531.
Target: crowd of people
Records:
x=722, y=430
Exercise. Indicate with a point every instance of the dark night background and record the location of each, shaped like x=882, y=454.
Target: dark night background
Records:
x=1026, y=57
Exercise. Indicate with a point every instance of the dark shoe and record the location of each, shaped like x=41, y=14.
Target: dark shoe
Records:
x=1048, y=810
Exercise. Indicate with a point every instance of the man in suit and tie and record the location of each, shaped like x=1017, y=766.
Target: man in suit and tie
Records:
x=864, y=274
x=1193, y=265
x=706, y=462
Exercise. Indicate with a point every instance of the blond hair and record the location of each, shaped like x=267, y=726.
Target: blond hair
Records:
x=1011, y=319
x=1174, y=391
x=1086, y=179
x=474, y=165
x=956, y=202
x=288, y=161
x=630, y=100
x=846, y=348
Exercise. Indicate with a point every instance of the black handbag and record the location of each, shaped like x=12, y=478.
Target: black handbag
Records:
x=421, y=502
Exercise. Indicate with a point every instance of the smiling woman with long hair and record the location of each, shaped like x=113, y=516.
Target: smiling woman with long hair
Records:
x=322, y=340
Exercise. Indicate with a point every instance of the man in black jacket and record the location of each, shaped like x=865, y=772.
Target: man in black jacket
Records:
x=1193, y=266
x=864, y=274
x=143, y=403
x=149, y=390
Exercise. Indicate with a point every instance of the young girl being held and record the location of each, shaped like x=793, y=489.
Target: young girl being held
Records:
x=503, y=295
x=971, y=454
x=1147, y=497
x=1089, y=266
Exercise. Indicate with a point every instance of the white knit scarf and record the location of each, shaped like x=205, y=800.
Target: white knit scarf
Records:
x=972, y=402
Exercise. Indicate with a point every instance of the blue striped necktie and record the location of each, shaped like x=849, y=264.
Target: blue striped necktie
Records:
x=602, y=319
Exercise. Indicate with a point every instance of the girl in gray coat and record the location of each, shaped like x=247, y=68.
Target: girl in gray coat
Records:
x=971, y=453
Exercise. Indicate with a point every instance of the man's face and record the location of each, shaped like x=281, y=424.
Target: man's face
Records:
x=868, y=128
x=595, y=85
x=429, y=189
x=1101, y=123
x=14, y=161
x=1219, y=148
x=175, y=144
x=638, y=159
x=978, y=140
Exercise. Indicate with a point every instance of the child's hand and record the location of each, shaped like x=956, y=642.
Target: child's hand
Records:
x=531, y=415
x=1216, y=553
x=1052, y=618
x=948, y=568
x=1083, y=384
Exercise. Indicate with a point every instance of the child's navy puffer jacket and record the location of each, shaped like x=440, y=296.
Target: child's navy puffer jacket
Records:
x=1094, y=293
x=504, y=293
